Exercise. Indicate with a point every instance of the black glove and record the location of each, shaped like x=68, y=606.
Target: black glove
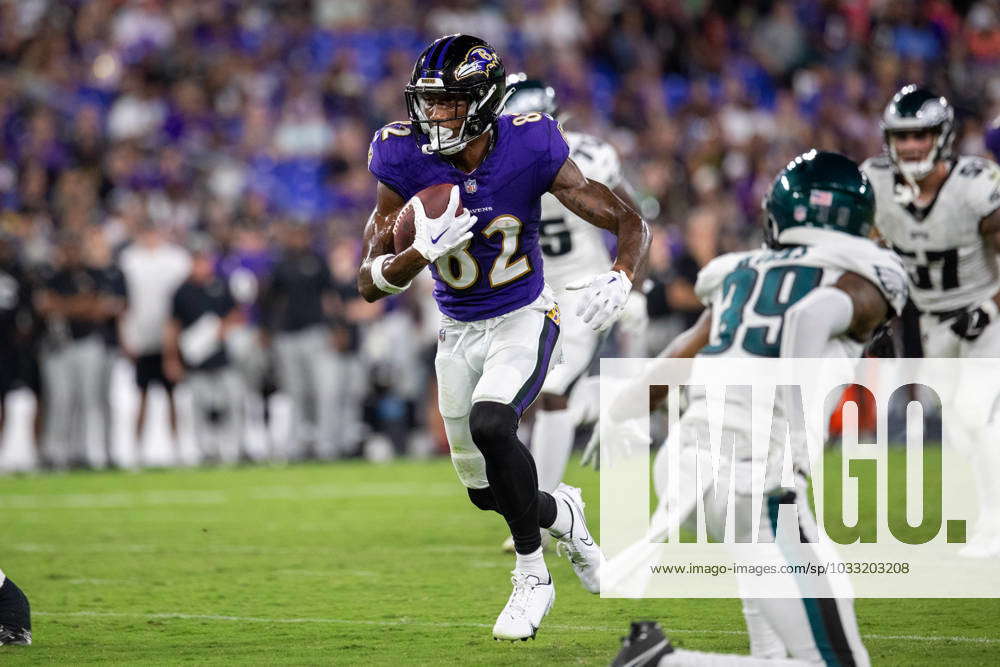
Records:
x=971, y=324
x=882, y=345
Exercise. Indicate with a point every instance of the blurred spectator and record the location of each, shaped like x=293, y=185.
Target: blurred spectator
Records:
x=700, y=247
x=153, y=269
x=73, y=358
x=351, y=316
x=111, y=287
x=15, y=321
x=779, y=41
x=246, y=268
x=202, y=312
x=298, y=304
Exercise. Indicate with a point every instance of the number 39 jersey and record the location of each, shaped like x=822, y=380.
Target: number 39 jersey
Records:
x=571, y=247
x=500, y=269
x=949, y=263
x=749, y=292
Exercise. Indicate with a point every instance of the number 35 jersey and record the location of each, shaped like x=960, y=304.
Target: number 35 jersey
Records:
x=573, y=248
x=750, y=292
x=949, y=263
x=500, y=269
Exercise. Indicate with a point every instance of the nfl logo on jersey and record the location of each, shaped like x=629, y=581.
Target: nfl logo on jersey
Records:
x=471, y=186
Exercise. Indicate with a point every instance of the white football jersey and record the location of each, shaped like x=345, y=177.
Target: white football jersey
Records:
x=949, y=262
x=572, y=248
x=749, y=292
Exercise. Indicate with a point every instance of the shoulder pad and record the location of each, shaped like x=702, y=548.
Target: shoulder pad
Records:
x=982, y=184
x=388, y=136
x=712, y=274
x=880, y=266
x=597, y=159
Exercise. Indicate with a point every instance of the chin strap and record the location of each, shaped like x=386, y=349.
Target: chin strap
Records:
x=908, y=191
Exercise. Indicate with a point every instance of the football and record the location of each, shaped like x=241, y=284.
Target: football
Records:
x=435, y=201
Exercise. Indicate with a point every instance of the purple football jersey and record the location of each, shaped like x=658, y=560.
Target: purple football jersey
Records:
x=501, y=269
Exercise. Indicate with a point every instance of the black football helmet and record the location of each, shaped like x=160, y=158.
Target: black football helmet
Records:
x=915, y=108
x=527, y=95
x=456, y=68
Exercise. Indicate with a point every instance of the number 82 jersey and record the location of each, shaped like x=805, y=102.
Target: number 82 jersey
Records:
x=500, y=269
x=949, y=263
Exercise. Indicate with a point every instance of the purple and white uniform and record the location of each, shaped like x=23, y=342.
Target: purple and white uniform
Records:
x=501, y=270
x=499, y=329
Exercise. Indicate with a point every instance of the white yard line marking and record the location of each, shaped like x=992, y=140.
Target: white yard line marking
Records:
x=110, y=500
x=328, y=573
x=218, y=496
x=432, y=624
x=371, y=489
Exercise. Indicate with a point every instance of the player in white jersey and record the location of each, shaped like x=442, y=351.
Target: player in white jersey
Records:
x=941, y=214
x=573, y=250
x=820, y=289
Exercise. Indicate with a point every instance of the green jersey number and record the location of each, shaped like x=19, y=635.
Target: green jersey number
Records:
x=781, y=287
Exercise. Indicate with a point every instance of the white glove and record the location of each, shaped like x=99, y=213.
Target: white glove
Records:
x=630, y=434
x=604, y=300
x=437, y=237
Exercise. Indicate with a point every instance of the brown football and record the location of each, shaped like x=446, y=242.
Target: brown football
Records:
x=435, y=201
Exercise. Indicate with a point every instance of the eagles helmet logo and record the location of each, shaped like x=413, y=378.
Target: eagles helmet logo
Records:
x=479, y=60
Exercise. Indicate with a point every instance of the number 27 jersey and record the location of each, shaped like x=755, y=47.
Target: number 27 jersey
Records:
x=949, y=262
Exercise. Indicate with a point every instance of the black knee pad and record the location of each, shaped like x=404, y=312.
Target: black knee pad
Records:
x=483, y=499
x=493, y=426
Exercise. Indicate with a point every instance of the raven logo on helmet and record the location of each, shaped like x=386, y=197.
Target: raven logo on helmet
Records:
x=479, y=60
x=465, y=74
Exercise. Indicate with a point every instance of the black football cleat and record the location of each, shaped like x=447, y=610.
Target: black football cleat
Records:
x=15, y=615
x=14, y=636
x=645, y=645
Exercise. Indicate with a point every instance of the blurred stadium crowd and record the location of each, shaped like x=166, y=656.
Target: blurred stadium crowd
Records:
x=174, y=174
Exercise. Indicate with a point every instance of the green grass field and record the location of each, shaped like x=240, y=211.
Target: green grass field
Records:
x=345, y=564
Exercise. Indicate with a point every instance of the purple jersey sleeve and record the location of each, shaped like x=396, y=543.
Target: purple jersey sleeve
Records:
x=551, y=149
x=993, y=138
x=387, y=158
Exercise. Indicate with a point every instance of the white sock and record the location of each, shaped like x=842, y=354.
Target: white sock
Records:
x=764, y=641
x=533, y=563
x=551, y=445
x=699, y=659
x=564, y=519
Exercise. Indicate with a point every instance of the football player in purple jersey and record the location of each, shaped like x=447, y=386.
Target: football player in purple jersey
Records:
x=499, y=329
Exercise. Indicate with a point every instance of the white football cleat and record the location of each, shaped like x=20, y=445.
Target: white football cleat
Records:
x=584, y=554
x=526, y=607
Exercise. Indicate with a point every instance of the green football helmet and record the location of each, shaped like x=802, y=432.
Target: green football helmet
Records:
x=914, y=108
x=819, y=189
